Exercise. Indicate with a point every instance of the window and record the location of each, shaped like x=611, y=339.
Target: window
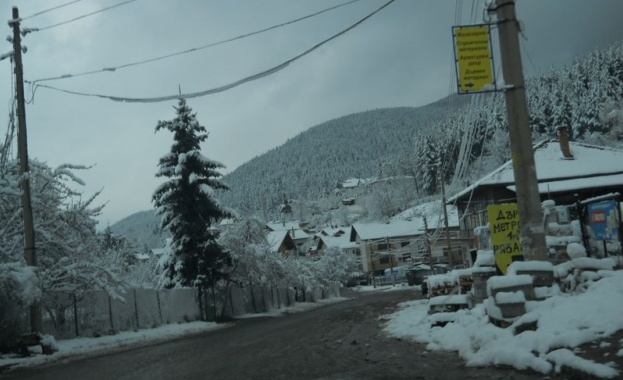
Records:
x=384, y=260
x=381, y=247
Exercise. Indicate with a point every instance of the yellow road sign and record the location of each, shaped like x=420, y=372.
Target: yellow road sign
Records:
x=474, y=62
x=504, y=225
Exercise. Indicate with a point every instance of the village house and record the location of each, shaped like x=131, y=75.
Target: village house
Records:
x=566, y=172
x=281, y=242
x=417, y=234
x=336, y=237
x=296, y=233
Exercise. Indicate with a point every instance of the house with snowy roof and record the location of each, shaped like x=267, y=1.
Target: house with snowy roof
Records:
x=418, y=233
x=341, y=241
x=298, y=235
x=281, y=242
x=563, y=170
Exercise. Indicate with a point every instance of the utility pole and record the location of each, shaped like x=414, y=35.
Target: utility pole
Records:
x=391, y=262
x=446, y=222
x=427, y=242
x=528, y=199
x=36, y=322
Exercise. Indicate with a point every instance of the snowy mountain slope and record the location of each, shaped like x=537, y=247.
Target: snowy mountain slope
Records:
x=141, y=228
x=310, y=165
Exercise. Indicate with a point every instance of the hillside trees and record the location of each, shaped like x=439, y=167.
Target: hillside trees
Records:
x=188, y=207
x=467, y=141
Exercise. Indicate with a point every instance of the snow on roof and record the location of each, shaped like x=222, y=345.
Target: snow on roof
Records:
x=342, y=241
x=433, y=212
x=351, y=182
x=354, y=182
x=275, y=238
x=577, y=183
x=331, y=231
x=589, y=160
x=369, y=231
x=282, y=226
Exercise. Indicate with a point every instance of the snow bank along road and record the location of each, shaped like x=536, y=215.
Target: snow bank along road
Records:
x=339, y=341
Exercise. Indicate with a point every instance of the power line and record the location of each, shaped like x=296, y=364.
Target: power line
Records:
x=26, y=30
x=50, y=9
x=149, y=60
x=226, y=87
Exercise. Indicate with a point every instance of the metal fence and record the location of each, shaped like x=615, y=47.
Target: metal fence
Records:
x=94, y=313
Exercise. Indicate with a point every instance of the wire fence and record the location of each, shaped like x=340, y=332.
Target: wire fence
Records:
x=94, y=313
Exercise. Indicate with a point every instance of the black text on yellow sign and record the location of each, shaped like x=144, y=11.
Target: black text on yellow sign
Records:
x=504, y=225
x=472, y=49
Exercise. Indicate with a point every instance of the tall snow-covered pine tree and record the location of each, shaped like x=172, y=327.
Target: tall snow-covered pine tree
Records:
x=187, y=206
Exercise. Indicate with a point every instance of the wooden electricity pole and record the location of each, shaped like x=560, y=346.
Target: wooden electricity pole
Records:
x=446, y=222
x=36, y=323
x=528, y=199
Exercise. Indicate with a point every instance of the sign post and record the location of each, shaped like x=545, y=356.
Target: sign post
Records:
x=505, y=236
x=603, y=220
x=474, y=61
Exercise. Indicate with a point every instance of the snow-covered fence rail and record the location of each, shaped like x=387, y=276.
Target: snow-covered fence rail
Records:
x=95, y=313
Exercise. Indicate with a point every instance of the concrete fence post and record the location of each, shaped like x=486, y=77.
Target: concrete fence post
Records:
x=112, y=326
x=76, y=314
x=136, y=309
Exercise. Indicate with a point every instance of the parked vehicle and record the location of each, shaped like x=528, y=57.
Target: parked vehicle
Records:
x=396, y=274
x=417, y=274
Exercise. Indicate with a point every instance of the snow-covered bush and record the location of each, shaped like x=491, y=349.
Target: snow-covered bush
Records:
x=336, y=266
x=67, y=245
x=18, y=290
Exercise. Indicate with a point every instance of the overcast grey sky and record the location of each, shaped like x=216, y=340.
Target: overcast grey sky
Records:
x=400, y=57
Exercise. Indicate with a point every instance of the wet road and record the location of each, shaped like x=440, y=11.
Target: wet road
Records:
x=339, y=341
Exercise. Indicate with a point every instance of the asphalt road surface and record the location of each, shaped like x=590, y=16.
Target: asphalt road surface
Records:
x=338, y=341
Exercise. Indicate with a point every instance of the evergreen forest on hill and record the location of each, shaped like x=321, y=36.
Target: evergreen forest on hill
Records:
x=464, y=137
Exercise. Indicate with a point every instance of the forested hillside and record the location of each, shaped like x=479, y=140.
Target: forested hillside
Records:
x=464, y=137
x=585, y=97
x=311, y=164
x=142, y=229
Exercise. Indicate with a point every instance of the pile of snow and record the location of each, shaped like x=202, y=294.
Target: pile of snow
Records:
x=484, y=258
x=576, y=250
x=530, y=266
x=381, y=288
x=563, y=322
x=442, y=280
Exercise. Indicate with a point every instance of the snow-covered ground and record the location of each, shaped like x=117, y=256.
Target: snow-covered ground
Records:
x=565, y=321
x=298, y=308
x=97, y=346
x=100, y=345
x=383, y=288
